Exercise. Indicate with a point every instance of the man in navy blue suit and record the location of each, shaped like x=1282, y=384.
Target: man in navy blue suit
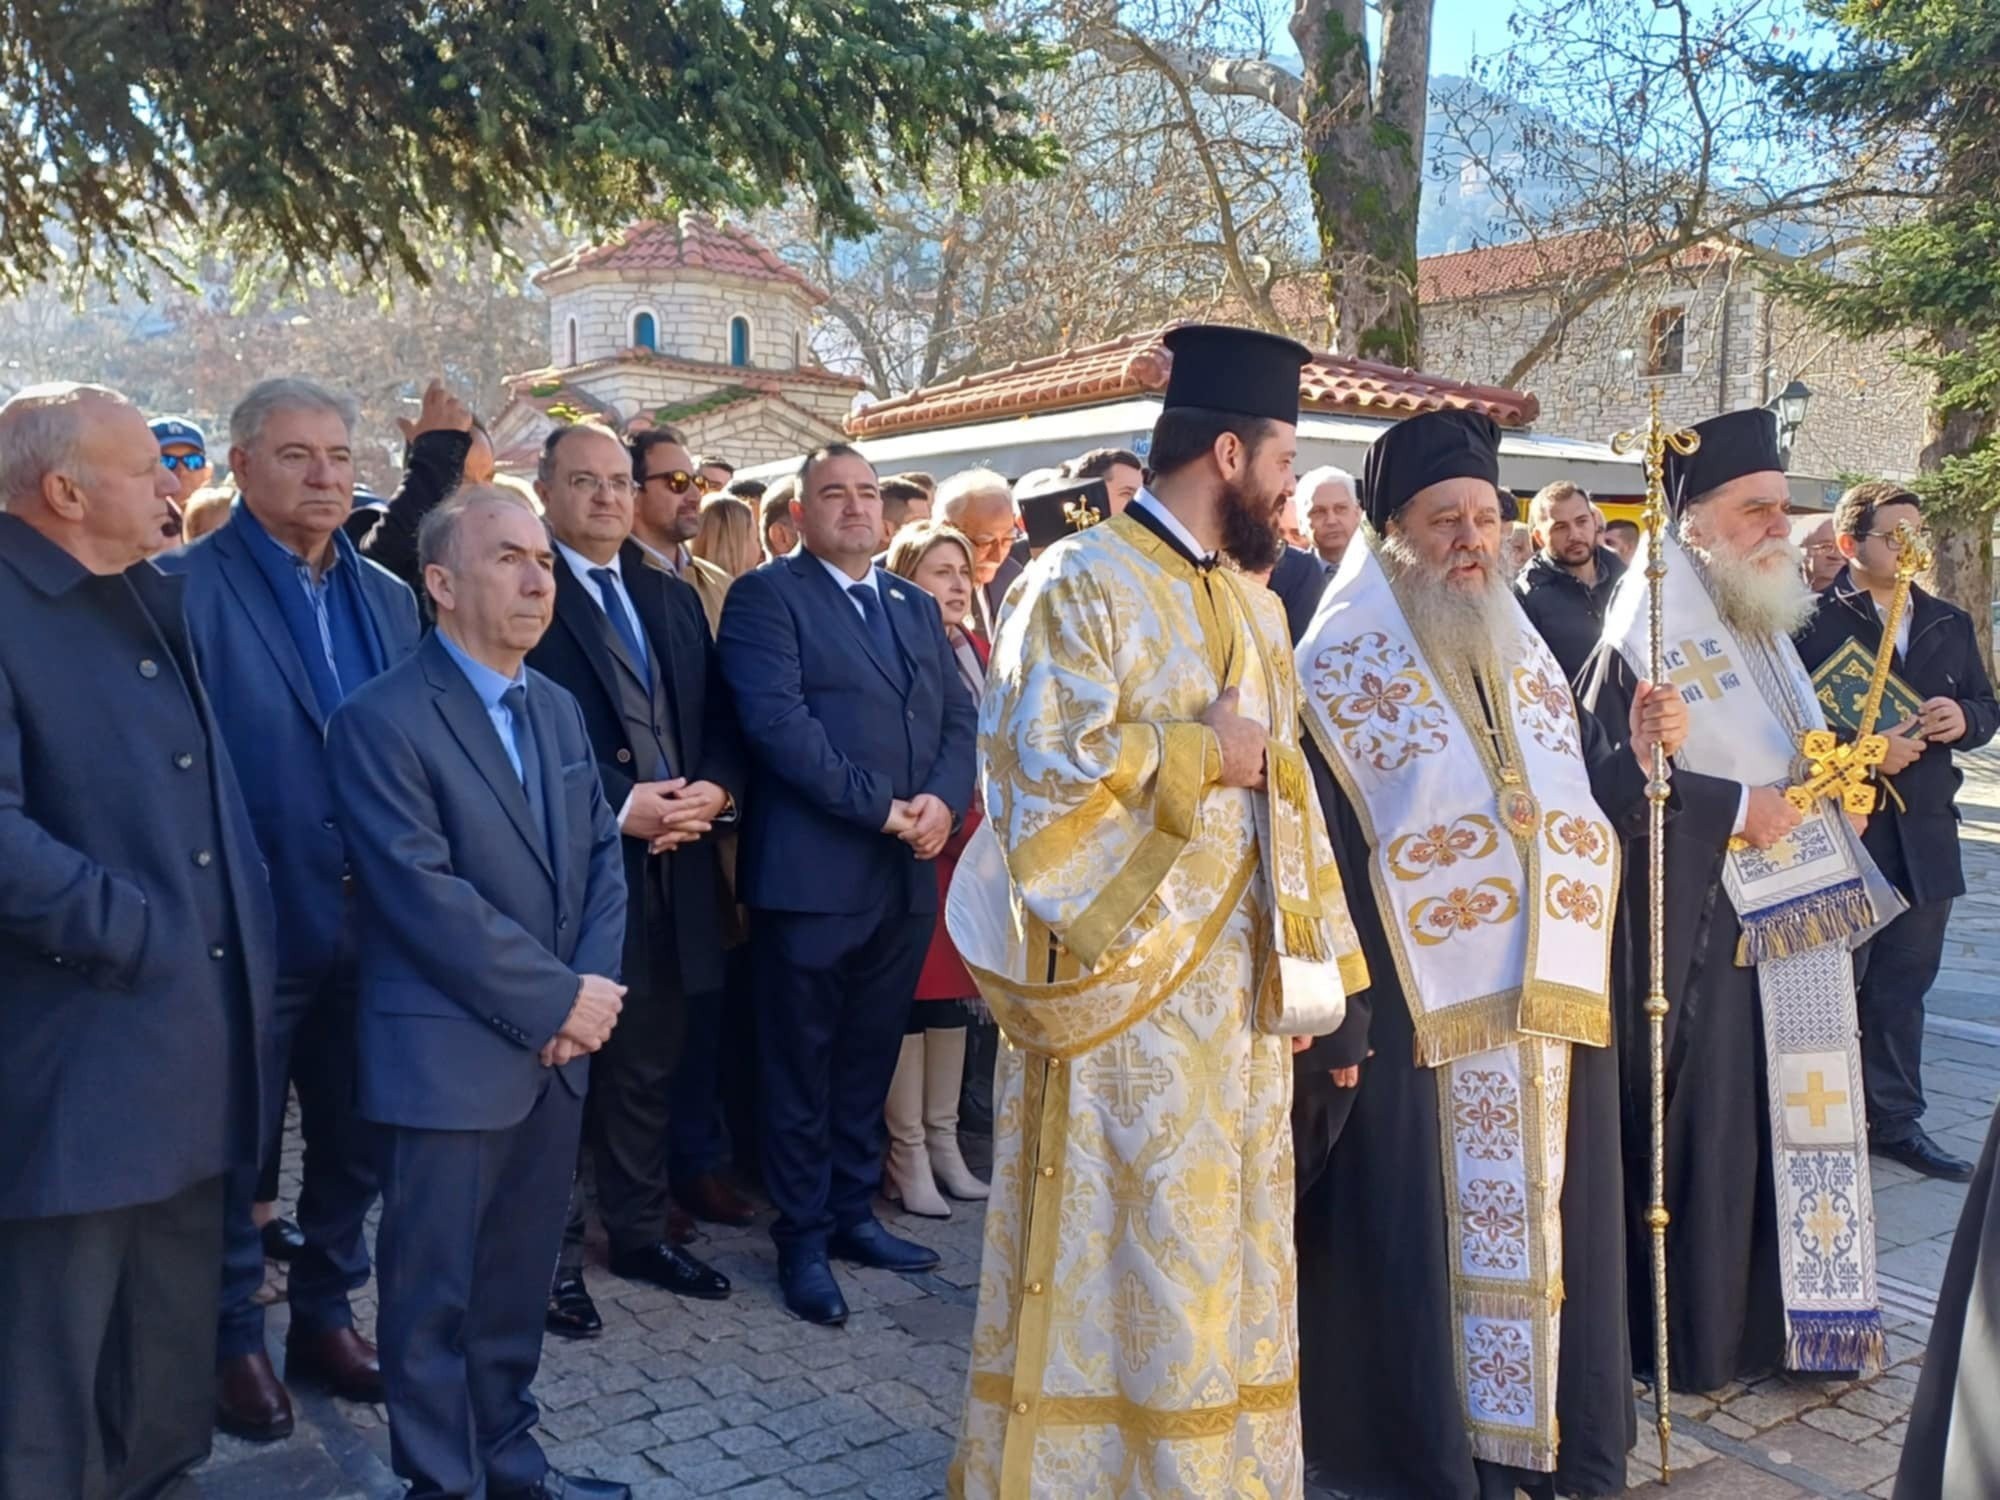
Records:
x=135, y=967
x=860, y=738
x=494, y=889
x=288, y=620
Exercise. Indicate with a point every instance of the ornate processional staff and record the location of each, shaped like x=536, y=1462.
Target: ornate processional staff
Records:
x=1655, y=440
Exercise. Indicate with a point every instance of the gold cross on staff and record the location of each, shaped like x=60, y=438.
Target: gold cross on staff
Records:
x=1705, y=671
x=1816, y=1100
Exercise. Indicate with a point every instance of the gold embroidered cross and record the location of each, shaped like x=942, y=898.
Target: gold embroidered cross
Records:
x=1705, y=671
x=1825, y=1226
x=1816, y=1099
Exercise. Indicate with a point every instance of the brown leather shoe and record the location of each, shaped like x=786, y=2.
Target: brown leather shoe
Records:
x=680, y=1228
x=250, y=1400
x=709, y=1197
x=339, y=1359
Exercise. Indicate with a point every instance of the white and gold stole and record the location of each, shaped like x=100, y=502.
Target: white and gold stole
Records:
x=1497, y=877
x=1800, y=903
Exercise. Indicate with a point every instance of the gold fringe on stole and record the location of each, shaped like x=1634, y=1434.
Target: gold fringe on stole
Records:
x=1476, y=1026
x=1566, y=1014
x=1303, y=938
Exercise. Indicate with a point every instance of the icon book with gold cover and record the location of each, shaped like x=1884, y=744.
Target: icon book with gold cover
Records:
x=1841, y=681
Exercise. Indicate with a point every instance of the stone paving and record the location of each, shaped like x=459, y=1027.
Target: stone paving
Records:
x=683, y=1398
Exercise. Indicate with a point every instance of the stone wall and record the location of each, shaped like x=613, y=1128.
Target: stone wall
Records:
x=692, y=315
x=1741, y=347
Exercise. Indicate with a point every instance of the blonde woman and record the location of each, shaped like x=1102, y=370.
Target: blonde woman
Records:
x=728, y=536
x=922, y=1109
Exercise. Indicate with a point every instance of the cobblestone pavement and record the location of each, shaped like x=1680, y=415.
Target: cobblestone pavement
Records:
x=681, y=1398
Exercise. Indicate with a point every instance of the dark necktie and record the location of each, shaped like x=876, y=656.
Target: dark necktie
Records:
x=516, y=699
x=614, y=607
x=877, y=621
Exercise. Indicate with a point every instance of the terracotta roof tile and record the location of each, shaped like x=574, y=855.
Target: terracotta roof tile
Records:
x=1515, y=267
x=1137, y=365
x=692, y=242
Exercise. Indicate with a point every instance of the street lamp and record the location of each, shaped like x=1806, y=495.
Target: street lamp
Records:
x=1789, y=406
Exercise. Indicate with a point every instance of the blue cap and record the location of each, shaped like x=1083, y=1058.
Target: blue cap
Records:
x=178, y=430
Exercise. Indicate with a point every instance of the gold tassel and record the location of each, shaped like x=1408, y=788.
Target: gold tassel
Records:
x=1304, y=937
x=1464, y=1030
x=1549, y=1012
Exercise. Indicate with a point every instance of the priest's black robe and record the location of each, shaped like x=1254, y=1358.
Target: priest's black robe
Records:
x=1724, y=1298
x=1379, y=1381
x=1953, y=1446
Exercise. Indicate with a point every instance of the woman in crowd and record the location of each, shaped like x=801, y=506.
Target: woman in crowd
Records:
x=728, y=535
x=922, y=1110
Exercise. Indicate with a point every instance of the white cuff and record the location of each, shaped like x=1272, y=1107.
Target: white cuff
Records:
x=1742, y=812
x=625, y=810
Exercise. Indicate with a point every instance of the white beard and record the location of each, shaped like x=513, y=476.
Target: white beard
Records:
x=1479, y=629
x=1762, y=594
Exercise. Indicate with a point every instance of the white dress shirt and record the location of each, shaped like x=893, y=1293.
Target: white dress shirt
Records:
x=846, y=582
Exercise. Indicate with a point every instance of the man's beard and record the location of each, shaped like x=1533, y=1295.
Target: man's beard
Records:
x=1250, y=527
x=1761, y=594
x=1476, y=627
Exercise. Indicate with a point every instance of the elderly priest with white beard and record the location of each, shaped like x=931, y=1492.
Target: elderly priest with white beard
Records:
x=1461, y=1276
x=1771, y=1242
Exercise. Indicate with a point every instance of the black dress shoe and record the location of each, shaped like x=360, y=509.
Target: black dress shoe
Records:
x=555, y=1486
x=810, y=1290
x=668, y=1266
x=571, y=1314
x=869, y=1244
x=1922, y=1154
x=282, y=1240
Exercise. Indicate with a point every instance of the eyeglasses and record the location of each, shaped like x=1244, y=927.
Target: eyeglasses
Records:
x=581, y=485
x=194, y=463
x=678, y=481
x=706, y=485
x=1893, y=539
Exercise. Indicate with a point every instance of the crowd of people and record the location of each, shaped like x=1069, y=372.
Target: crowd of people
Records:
x=648, y=841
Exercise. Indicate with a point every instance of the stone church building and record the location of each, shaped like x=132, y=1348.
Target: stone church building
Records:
x=690, y=323
x=1702, y=327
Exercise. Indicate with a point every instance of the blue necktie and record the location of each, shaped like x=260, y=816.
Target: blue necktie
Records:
x=614, y=606
x=516, y=699
x=877, y=621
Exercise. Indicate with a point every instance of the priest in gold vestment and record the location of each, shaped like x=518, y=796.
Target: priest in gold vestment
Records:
x=1153, y=913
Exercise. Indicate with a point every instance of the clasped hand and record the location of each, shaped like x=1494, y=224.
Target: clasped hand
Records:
x=923, y=822
x=668, y=814
x=590, y=1022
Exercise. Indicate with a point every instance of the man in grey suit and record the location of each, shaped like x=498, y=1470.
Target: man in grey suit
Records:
x=136, y=967
x=494, y=885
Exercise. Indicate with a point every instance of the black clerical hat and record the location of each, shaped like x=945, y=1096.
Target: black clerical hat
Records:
x=1243, y=370
x=1424, y=450
x=1056, y=512
x=1732, y=445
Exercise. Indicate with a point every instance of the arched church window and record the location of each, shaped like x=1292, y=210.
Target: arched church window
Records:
x=645, y=331
x=569, y=337
x=739, y=340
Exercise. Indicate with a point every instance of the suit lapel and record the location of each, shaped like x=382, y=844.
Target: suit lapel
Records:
x=814, y=575
x=648, y=588
x=548, y=746
x=903, y=623
x=253, y=591
x=581, y=616
x=466, y=717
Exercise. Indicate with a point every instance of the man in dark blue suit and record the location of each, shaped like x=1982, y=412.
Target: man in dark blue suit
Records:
x=287, y=621
x=860, y=738
x=135, y=967
x=493, y=885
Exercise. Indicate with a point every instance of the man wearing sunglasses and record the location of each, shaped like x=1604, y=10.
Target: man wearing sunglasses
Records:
x=666, y=514
x=183, y=454
x=1943, y=704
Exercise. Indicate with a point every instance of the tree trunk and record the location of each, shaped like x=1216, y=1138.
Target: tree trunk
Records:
x=1363, y=137
x=1961, y=543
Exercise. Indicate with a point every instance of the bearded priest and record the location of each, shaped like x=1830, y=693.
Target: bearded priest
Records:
x=1153, y=914
x=1771, y=1239
x=1462, y=1251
